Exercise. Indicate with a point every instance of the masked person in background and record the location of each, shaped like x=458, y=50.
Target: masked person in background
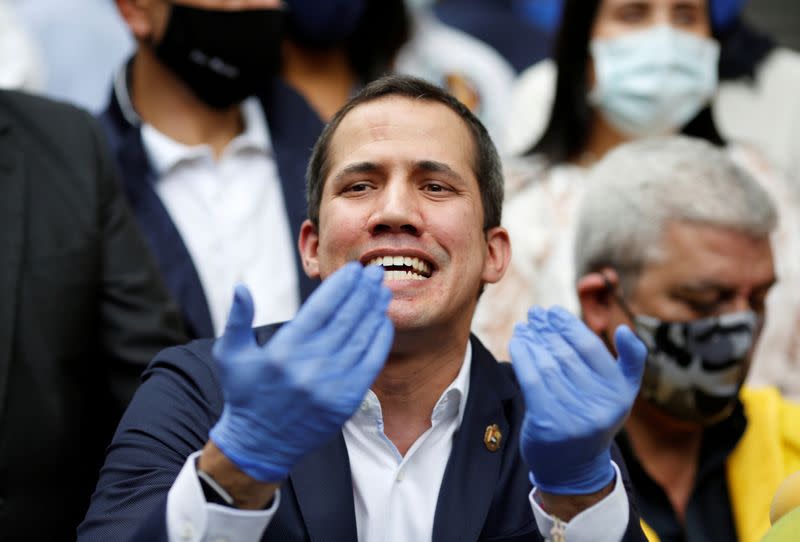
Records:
x=211, y=124
x=626, y=70
x=756, y=102
x=674, y=241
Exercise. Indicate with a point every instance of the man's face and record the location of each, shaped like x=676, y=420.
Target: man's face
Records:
x=401, y=191
x=704, y=271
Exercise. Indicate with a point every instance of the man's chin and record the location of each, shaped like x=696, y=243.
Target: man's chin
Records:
x=406, y=322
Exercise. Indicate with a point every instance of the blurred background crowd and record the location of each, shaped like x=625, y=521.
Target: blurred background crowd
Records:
x=212, y=155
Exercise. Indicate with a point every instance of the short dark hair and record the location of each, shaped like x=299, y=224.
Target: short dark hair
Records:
x=568, y=129
x=487, y=166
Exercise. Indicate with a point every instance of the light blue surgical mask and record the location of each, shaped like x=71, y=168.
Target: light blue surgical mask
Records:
x=653, y=82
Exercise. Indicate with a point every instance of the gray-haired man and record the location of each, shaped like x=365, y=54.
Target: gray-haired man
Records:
x=674, y=240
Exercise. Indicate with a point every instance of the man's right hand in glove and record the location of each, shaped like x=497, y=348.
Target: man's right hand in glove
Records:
x=288, y=397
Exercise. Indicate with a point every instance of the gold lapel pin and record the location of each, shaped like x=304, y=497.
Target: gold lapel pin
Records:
x=492, y=437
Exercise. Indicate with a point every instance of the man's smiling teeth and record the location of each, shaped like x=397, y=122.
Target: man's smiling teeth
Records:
x=415, y=269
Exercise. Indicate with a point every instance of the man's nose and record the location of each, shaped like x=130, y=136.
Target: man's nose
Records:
x=660, y=16
x=740, y=303
x=397, y=210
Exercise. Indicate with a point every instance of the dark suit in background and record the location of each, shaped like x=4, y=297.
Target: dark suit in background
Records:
x=82, y=310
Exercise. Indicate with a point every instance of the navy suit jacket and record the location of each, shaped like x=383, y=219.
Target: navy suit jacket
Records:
x=483, y=496
x=294, y=128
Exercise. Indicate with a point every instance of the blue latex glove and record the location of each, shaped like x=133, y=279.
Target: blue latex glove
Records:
x=576, y=398
x=286, y=398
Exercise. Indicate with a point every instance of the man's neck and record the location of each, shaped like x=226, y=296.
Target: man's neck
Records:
x=324, y=78
x=411, y=383
x=164, y=101
x=668, y=451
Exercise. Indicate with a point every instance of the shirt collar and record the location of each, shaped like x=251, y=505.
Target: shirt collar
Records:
x=451, y=403
x=454, y=399
x=124, y=97
x=166, y=153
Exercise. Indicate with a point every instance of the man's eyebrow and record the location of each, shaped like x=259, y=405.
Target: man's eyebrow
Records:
x=437, y=167
x=370, y=167
x=359, y=167
x=705, y=285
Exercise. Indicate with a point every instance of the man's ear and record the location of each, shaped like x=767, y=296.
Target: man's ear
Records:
x=137, y=16
x=498, y=254
x=307, y=244
x=595, y=293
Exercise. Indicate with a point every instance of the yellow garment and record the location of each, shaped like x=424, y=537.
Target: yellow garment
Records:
x=768, y=452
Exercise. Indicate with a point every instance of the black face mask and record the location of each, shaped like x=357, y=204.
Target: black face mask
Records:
x=223, y=56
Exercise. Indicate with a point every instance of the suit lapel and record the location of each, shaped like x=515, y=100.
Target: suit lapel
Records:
x=472, y=470
x=324, y=489
x=12, y=229
x=294, y=128
x=165, y=241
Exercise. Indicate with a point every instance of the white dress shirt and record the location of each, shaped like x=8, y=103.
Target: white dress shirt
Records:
x=395, y=496
x=231, y=215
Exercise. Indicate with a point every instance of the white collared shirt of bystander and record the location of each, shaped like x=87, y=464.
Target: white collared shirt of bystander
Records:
x=231, y=215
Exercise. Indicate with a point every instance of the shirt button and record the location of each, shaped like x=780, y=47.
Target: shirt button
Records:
x=364, y=406
x=400, y=475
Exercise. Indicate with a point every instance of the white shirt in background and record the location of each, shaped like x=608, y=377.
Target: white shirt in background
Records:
x=231, y=215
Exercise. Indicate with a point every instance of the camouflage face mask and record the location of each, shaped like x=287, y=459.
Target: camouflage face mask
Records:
x=695, y=369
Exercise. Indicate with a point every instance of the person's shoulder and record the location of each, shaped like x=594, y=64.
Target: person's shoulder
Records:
x=197, y=355
x=524, y=173
x=536, y=191
x=62, y=134
x=501, y=373
x=764, y=397
x=782, y=65
x=31, y=108
x=192, y=365
x=767, y=406
x=192, y=359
